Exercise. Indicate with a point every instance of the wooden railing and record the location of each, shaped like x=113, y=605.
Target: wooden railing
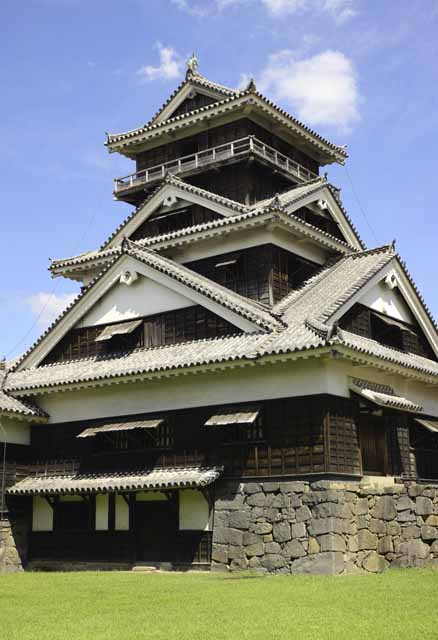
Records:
x=238, y=148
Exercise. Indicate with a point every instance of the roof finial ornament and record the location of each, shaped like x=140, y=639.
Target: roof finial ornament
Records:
x=325, y=176
x=276, y=202
x=392, y=245
x=251, y=86
x=192, y=66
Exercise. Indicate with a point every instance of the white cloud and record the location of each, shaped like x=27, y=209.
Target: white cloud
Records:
x=340, y=10
x=321, y=89
x=170, y=67
x=48, y=306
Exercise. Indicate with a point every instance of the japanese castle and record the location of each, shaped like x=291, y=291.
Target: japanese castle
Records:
x=240, y=383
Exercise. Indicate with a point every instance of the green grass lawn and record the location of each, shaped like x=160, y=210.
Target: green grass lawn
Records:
x=125, y=606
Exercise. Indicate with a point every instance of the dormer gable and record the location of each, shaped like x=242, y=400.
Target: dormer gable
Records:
x=104, y=299
x=389, y=311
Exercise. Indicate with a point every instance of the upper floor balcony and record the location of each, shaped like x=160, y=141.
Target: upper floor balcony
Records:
x=194, y=163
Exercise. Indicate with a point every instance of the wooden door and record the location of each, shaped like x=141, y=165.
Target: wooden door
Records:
x=156, y=525
x=373, y=445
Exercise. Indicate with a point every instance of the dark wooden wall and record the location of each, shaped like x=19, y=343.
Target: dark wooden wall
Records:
x=171, y=327
x=216, y=136
x=362, y=321
x=266, y=273
x=181, y=219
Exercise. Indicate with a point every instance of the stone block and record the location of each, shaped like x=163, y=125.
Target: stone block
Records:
x=313, y=546
x=293, y=487
x=256, y=500
x=239, y=519
x=220, y=535
x=406, y=516
x=221, y=519
x=374, y=563
x=328, y=563
x=298, y=530
x=362, y=522
x=410, y=532
x=429, y=533
x=432, y=521
x=229, y=504
x=366, y=540
x=251, y=538
x=268, y=537
x=361, y=507
x=272, y=515
x=270, y=487
x=330, y=509
x=272, y=561
x=235, y=537
x=294, y=549
x=403, y=503
x=239, y=564
x=415, y=490
x=423, y=506
x=257, y=549
x=281, y=501
x=393, y=529
x=326, y=525
x=414, y=549
x=263, y=527
x=282, y=532
x=219, y=553
x=385, y=545
x=251, y=487
x=332, y=542
x=384, y=509
x=272, y=547
x=377, y=526
x=303, y=514
x=353, y=544
x=234, y=553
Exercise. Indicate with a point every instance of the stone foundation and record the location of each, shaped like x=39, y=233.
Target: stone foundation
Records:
x=13, y=546
x=324, y=527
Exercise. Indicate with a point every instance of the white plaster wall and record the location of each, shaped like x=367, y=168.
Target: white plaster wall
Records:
x=102, y=501
x=14, y=432
x=122, y=514
x=304, y=377
x=246, y=239
x=150, y=496
x=384, y=300
x=142, y=298
x=42, y=515
x=194, y=512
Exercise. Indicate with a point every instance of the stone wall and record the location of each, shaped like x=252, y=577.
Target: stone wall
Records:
x=323, y=527
x=13, y=546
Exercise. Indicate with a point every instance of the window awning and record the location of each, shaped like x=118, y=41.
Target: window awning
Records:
x=431, y=425
x=121, y=426
x=155, y=479
x=122, y=328
x=386, y=400
x=243, y=415
x=393, y=322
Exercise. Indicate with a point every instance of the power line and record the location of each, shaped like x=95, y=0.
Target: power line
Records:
x=54, y=288
x=360, y=206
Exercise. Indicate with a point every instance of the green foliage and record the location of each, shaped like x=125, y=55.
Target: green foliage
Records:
x=130, y=606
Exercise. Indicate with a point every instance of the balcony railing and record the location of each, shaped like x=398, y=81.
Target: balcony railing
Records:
x=195, y=161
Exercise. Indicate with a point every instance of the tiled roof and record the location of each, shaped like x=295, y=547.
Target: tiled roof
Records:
x=13, y=407
x=188, y=188
x=249, y=309
x=250, y=95
x=131, y=480
x=274, y=205
x=197, y=80
x=306, y=324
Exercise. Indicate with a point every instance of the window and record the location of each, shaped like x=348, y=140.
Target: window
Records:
x=161, y=437
x=237, y=433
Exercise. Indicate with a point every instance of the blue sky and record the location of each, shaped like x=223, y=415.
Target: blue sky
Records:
x=361, y=72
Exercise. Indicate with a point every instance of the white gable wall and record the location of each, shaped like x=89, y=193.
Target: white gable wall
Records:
x=142, y=298
x=384, y=300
